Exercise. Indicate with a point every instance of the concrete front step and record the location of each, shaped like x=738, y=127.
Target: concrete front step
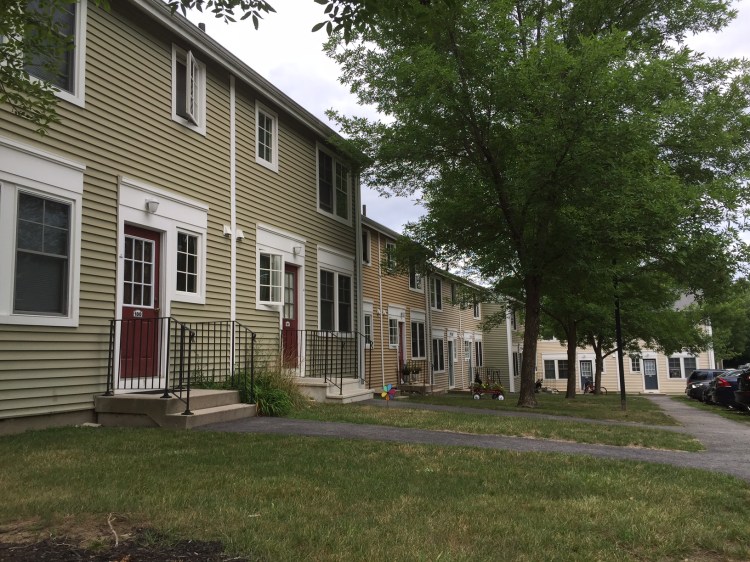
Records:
x=151, y=410
x=322, y=391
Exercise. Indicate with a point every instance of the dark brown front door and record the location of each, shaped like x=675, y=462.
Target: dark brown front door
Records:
x=289, y=329
x=140, y=328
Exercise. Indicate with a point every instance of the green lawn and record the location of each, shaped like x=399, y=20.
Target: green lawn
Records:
x=541, y=428
x=639, y=409
x=293, y=498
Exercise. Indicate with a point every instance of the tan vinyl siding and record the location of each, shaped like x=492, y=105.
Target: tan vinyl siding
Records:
x=495, y=341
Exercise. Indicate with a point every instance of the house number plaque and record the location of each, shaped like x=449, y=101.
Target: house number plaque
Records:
x=137, y=314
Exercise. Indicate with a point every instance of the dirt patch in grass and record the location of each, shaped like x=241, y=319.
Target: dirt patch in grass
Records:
x=113, y=541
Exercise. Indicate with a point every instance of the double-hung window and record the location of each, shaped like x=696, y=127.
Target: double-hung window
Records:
x=415, y=279
x=438, y=357
x=467, y=350
x=478, y=353
x=61, y=65
x=393, y=333
x=368, y=329
x=335, y=301
x=188, y=90
x=187, y=263
x=418, y=350
x=555, y=368
x=333, y=186
x=266, y=138
x=40, y=237
x=681, y=367
x=270, y=278
x=635, y=364
x=436, y=293
x=390, y=256
x=477, y=311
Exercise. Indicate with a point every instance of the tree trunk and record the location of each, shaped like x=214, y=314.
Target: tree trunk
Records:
x=572, y=336
x=532, y=286
x=599, y=367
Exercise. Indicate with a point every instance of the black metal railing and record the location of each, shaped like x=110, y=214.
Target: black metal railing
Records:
x=164, y=354
x=332, y=356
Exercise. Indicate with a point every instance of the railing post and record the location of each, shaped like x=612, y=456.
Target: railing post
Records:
x=341, y=368
x=326, y=360
x=187, y=411
x=169, y=347
x=110, y=360
x=252, y=368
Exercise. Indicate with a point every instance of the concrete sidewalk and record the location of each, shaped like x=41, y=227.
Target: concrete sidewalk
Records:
x=727, y=443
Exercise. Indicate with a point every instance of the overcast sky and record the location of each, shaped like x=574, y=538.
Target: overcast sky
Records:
x=287, y=53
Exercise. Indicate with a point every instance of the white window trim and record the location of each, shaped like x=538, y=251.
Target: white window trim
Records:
x=436, y=303
x=390, y=260
x=397, y=313
x=556, y=358
x=175, y=214
x=476, y=311
x=368, y=244
x=349, y=180
x=338, y=263
x=78, y=95
x=27, y=169
x=434, y=360
x=681, y=356
x=419, y=279
x=367, y=311
x=411, y=337
x=199, y=116
x=281, y=287
x=273, y=165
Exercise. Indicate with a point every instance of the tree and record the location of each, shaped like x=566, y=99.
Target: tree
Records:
x=536, y=129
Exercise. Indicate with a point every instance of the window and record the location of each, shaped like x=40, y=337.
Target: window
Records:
x=555, y=368
x=635, y=364
x=333, y=186
x=681, y=367
x=418, y=350
x=188, y=90
x=454, y=347
x=467, y=350
x=513, y=320
x=40, y=241
x=42, y=257
x=454, y=293
x=64, y=70
x=335, y=301
x=477, y=311
x=270, y=278
x=438, y=359
x=478, y=355
x=517, y=362
x=393, y=332
x=390, y=256
x=266, y=138
x=436, y=294
x=368, y=329
x=415, y=279
x=187, y=263
x=365, y=247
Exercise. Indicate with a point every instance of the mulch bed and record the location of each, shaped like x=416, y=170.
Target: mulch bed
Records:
x=137, y=548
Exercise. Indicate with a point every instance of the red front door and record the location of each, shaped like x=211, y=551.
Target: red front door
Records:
x=140, y=327
x=289, y=333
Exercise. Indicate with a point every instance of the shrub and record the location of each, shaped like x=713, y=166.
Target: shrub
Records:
x=276, y=393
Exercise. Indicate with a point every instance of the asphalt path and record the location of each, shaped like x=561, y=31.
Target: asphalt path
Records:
x=727, y=442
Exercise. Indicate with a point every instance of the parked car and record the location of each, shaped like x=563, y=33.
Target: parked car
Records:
x=742, y=394
x=698, y=381
x=721, y=390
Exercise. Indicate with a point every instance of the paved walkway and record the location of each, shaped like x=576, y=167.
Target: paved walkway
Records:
x=727, y=442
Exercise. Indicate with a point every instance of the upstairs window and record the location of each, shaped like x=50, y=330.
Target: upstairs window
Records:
x=436, y=294
x=415, y=279
x=477, y=311
x=333, y=186
x=390, y=256
x=266, y=138
x=365, y=247
x=62, y=68
x=188, y=90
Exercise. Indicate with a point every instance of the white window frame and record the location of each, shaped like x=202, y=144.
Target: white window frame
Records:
x=393, y=333
x=271, y=240
x=78, y=95
x=195, y=89
x=42, y=174
x=273, y=164
x=556, y=359
x=436, y=293
x=477, y=312
x=633, y=361
x=339, y=264
x=681, y=357
x=438, y=360
x=348, y=182
x=198, y=263
x=366, y=247
x=280, y=287
x=390, y=260
x=467, y=350
x=418, y=285
x=418, y=322
x=478, y=353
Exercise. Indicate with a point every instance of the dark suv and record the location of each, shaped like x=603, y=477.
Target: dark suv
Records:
x=698, y=381
x=742, y=394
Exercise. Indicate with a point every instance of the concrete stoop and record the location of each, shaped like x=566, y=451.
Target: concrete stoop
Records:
x=151, y=410
x=321, y=391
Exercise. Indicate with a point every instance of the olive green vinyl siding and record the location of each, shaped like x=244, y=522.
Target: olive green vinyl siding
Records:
x=285, y=200
x=126, y=130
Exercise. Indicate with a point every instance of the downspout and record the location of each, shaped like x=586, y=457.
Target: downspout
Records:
x=233, y=202
x=358, y=273
x=428, y=327
x=511, y=363
x=463, y=359
x=380, y=314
